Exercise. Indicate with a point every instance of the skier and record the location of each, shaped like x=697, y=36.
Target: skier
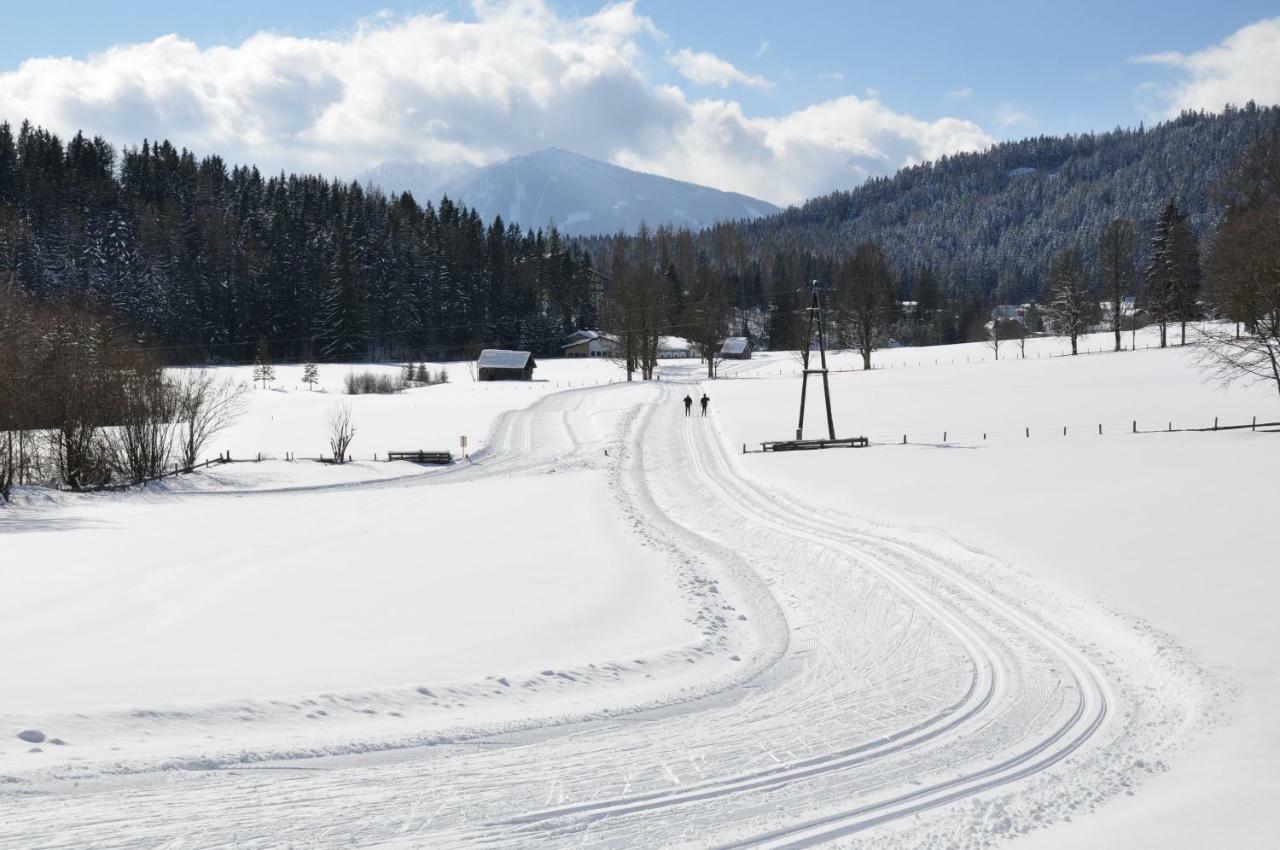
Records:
x=688, y=404
x=705, y=401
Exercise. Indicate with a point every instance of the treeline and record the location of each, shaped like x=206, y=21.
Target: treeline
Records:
x=989, y=224
x=204, y=261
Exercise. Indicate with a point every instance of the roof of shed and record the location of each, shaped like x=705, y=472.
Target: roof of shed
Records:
x=497, y=358
x=734, y=345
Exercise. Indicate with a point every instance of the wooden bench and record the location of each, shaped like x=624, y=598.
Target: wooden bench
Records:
x=422, y=457
x=801, y=445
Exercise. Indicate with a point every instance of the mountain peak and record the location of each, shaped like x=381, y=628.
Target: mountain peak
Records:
x=581, y=195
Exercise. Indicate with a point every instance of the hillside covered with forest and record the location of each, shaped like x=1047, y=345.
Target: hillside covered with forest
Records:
x=201, y=259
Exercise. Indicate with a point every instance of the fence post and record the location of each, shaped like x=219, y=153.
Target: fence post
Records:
x=944, y=436
x=1064, y=430
x=1215, y=423
x=1135, y=426
x=904, y=439
x=1028, y=433
x=1099, y=429
x=1255, y=424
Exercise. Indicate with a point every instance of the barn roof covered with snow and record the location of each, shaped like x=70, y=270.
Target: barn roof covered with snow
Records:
x=735, y=345
x=497, y=358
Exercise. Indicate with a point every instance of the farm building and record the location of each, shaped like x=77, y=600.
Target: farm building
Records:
x=589, y=344
x=674, y=347
x=736, y=348
x=495, y=364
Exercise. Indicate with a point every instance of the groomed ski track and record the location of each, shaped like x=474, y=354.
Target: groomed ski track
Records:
x=879, y=685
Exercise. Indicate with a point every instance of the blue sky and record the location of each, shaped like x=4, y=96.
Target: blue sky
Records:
x=965, y=74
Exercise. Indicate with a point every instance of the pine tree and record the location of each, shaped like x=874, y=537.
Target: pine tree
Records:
x=262, y=369
x=1172, y=281
x=345, y=327
x=311, y=375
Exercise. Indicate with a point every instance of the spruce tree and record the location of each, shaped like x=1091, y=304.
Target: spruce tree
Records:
x=345, y=327
x=1172, y=280
x=311, y=375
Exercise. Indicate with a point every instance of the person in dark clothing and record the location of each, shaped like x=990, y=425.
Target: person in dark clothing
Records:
x=705, y=401
x=688, y=405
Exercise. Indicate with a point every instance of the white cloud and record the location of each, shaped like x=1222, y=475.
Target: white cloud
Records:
x=963, y=93
x=831, y=145
x=1010, y=115
x=514, y=78
x=1242, y=67
x=707, y=69
x=834, y=76
x=762, y=49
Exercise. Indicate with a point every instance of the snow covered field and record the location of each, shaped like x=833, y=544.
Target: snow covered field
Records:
x=614, y=629
x=1167, y=527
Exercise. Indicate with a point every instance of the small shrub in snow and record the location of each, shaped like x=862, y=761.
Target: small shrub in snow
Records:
x=379, y=383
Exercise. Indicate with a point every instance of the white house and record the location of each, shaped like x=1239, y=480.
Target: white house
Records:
x=674, y=347
x=589, y=344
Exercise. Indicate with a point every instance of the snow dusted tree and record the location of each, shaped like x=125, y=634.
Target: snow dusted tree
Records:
x=262, y=369
x=345, y=326
x=341, y=430
x=864, y=300
x=1115, y=259
x=1068, y=298
x=311, y=375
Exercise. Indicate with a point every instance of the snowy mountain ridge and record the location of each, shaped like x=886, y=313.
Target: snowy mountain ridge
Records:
x=582, y=196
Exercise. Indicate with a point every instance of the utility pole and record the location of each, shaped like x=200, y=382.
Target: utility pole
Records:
x=815, y=315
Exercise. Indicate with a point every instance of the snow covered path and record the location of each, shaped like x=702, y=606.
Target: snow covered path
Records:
x=887, y=679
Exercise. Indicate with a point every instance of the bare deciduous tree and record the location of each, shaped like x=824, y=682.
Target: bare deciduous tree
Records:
x=341, y=430
x=1115, y=258
x=142, y=438
x=206, y=406
x=864, y=300
x=1244, y=286
x=709, y=312
x=1004, y=330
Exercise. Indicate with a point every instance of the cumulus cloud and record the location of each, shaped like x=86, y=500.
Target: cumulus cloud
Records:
x=1242, y=67
x=509, y=78
x=707, y=69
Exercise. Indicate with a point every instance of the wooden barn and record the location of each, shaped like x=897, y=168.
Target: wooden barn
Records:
x=736, y=348
x=496, y=364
